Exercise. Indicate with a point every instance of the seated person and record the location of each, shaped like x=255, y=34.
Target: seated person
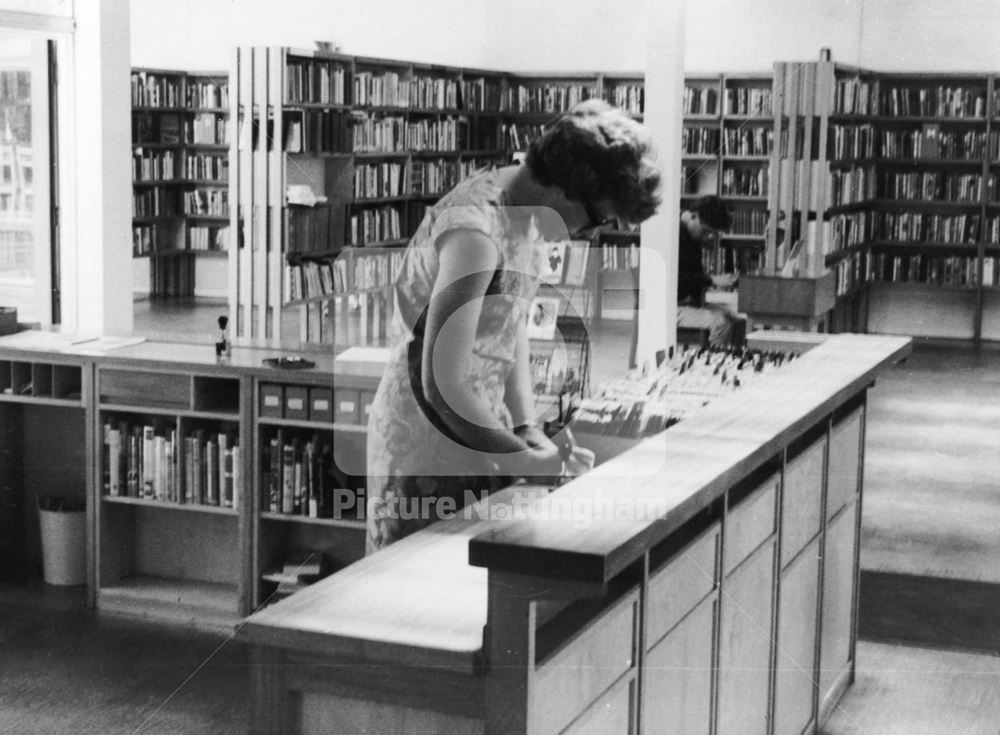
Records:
x=708, y=216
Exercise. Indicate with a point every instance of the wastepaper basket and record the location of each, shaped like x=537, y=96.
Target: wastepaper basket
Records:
x=63, y=523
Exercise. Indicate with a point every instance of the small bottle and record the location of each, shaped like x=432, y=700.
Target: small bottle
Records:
x=222, y=347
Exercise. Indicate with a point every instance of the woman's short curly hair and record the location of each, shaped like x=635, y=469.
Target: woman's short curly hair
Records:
x=595, y=151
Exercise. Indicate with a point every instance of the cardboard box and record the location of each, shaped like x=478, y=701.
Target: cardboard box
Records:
x=296, y=402
x=272, y=401
x=321, y=404
x=346, y=406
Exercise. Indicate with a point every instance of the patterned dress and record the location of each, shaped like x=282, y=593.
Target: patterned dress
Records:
x=413, y=458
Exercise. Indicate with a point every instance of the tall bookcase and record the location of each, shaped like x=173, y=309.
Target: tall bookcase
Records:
x=337, y=159
x=914, y=226
x=728, y=141
x=180, y=173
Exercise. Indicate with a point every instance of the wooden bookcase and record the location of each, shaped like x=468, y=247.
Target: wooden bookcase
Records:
x=171, y=537
x=727, y=146
x=913, y=226
x=337, y=159
x=180, y=173
x=179, y=523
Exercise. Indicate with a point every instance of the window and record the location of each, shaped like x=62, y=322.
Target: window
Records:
x=25, y=229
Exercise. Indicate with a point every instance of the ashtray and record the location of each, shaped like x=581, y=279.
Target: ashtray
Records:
x=289, y=363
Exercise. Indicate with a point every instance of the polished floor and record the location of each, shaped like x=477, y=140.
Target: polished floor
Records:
x=931, y=502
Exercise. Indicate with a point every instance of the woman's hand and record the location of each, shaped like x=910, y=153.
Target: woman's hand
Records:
x=547, y=459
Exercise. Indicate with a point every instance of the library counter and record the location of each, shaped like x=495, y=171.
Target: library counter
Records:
x=650, y=593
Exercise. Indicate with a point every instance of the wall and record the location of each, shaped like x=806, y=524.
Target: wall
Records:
x=557, y=35
x=194, y=34
x=930, y=35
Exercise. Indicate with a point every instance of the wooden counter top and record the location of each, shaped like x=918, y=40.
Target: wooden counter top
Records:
x=416, y=602
x=681, y=471
x=422, y=601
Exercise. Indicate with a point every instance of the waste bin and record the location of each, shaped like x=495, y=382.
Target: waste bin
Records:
x=63, y=523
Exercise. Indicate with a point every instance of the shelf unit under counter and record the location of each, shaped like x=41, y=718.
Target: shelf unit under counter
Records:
x=170, y=536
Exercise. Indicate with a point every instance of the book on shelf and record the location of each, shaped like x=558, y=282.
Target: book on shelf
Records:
x=170, y=128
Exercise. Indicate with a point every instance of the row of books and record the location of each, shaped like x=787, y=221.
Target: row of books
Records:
x=145, y=239
x=207, y=167
x=212, y=93
x=931, y=185
x=153, y=165
x=390, y=89
x=315, y=81
x=549, y=98
x=375, y=225
x=859, y=184
x=643, y=404
x=927, y=142
x=747, y=141
x=164, y=128
x=725, y=258
x=153, y=203
x=855, y=96
x=207, y=202
x=167, y=128
x=938, y=101
x=156, y=463
x=392, y=133
x=518, y=136
x=206, y=128
x=172, y=276
x=329, y=82
x=375, y=180
x=855, y=228
x=700, y=101
x=300, y=476
x=630, y=98
x=750, y=101
x=208, y=237
x=748, y=222
x=700, y=141
x=849, y=273
x=956, y=271
x=155, y=90
x=744, y=181
x=341, y=275
x=307, y=228
x=317, y=131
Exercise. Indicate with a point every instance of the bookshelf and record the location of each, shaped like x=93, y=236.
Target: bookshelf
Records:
x=727, y=147
x=309, y=474
x=913, y=238
x=336, y=161
x=170, y=532
x=180, y=175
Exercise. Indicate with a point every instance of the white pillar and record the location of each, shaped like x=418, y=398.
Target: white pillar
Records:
x=664, y=87
x=101, y=138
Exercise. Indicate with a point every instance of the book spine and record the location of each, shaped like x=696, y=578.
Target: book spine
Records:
x=148, y=464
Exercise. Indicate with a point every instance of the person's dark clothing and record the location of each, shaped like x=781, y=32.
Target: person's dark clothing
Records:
x=691, y=277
